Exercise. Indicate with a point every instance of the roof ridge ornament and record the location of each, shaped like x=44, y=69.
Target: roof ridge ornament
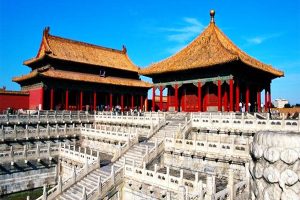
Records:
x=46, y=30
x=212, y=16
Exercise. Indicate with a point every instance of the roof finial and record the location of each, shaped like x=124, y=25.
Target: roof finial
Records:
x=47, y=30
x=212, y=16
x=124, y=49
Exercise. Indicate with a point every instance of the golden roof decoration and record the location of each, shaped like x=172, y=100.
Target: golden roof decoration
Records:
x=81, y=52
x=211, y=47
x=83, y=77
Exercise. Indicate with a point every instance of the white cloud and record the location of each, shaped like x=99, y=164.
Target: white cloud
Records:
x=260, y=39
x=182, y=35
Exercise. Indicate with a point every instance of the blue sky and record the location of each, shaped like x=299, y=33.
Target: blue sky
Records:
x=153, y=30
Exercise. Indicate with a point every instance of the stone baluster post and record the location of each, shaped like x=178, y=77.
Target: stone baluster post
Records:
x=2, y=133
x=181, y=193
x=196, y=178
x=112, y=174
x=167, y=174
x=98, y=159
x=74, y=174
x=56, y=130
x=37, y=132
x=26, y=132
x=200, y=190
x=44, y=192
x=48, y=130
x=65, y=129
x=86, y=164
x=15, y=132
x=37, y=153
x=155, y=168
x=25, y=153
x=84, y=195
x=59, y=184
x=11, y=156
x=230, y=185
x=99, y=185
x=181, y=177
x=49, y=151
x=210, y=188
x=168, y=195
x=38, y=116
x=73, y=128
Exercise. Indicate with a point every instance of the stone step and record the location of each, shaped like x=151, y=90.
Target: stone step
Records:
x=63, y=198
x=134, y=154
x=70, y=193
x=90, y=180
x=101, y=172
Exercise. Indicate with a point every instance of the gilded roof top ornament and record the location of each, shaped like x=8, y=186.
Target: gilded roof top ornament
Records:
x=212, y=16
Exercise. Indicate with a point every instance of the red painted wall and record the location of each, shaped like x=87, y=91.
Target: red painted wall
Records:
x=36, y=98
x=14, y=101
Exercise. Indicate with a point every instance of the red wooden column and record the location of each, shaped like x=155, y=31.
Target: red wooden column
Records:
x=146, y=104
x=110, y=101
x=168, y=99
x=142, y=102
x=231, y=94
x=160, y=98
x=219, y=96
x=269, y=97
x=122, y=102
x=67, y=100
x=51, y=99
x=199, y=97
x=225, y=100
x=183, y=99
x=153, y=98
x=205, y=101
x=176, y=97
x=42, y=98
x=132, y=101
x=247, y=98
x=81, y=100
x=95, y=100
x=266, y=100
x=258, y=100
x=237, y=97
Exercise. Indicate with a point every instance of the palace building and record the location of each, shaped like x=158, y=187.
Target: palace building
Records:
x=212, y=74
x=72, y=75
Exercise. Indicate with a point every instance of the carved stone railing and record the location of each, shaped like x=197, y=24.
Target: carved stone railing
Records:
x=102, y=189
x=123, y=119
x=48, y=117
x=248, y=125
x=100, y=134
x=64, y=185
x=37, y=133
x=142, y=130
x=240, y=150
x=225, y=194
x=185, y=129
x=123, y=149
x=28, y=154
x=65, y=151
x=162, y=180
x=154, y=152
x=155, y=128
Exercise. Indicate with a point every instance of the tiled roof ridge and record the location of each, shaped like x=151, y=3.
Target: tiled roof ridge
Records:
x=85, y=44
